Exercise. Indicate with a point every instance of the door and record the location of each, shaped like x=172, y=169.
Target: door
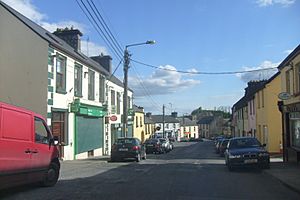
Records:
x=59, y=129
x=41, y=150
x=89, y=133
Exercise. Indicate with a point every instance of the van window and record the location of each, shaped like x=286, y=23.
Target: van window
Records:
x=41, y=133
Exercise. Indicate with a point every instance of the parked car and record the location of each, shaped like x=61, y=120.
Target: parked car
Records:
x=153, y=145
x=246, y=151
x=184, y=139
x=28, y=152
x=128, y=148
x=167, y=146
x=222, y=146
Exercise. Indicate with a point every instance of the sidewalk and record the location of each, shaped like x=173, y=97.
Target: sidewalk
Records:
x=288, y=174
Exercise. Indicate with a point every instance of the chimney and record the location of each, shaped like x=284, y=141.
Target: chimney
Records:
x=70, y=36
x=174, y=114
x=148, y=114
x=104, y=61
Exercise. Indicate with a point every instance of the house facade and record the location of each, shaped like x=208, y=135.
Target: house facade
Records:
x=205, y=126
x=138, y=128
x=53, y=78
x=289, y=105
x=268, y=117
x=188, y=128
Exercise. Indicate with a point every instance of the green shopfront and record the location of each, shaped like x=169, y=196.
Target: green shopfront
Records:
x=89, y=129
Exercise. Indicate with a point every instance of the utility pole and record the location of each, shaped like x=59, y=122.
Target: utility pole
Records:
x=125, y=104
x=125, y=95
x=163, y=120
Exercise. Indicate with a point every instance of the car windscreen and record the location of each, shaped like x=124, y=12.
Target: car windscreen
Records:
x=152, y=141
x=126, y=141
x=244, y=143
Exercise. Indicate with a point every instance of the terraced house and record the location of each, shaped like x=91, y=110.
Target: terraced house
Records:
x=52, y=77
x=289, y=105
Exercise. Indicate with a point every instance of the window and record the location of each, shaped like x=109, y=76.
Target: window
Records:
x=141, y=122
x=262, y=99
x=136, y=121
x=298, y=77
x=78, y=80
x=41, y=132
x=91, y=86
x=102, y=88
x=118, y=103
x=60, y=74
x=128, y=102
x=288, y=82
x=258, y=99
x=113, y=101
x=295, y=129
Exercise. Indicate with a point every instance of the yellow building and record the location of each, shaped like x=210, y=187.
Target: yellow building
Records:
x=268, y=117
x=149, y=126
x=289, y=105
x=138, y=129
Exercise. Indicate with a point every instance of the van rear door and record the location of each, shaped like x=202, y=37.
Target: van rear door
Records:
x=15, y=140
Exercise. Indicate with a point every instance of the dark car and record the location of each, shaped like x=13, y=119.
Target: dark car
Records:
x=153, y=145
x=246, y=151
x=223, y=146
x=128, y=148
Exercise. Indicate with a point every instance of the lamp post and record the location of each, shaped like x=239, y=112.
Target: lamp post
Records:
x=126, y=67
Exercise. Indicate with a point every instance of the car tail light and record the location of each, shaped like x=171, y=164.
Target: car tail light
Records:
x=135, y=148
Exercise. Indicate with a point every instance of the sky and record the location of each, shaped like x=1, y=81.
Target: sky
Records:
x=191, y=36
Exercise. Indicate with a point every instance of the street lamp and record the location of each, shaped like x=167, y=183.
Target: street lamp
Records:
x=126, y=67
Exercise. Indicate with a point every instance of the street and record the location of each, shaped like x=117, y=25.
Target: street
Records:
x=191, y=171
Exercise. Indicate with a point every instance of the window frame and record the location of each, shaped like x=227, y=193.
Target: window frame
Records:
x=61, y=88
x=78, y=91
x=91, y=85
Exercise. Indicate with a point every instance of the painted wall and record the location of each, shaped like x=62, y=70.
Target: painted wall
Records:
x=23, y=65
x=268, y=124
x=139, y=126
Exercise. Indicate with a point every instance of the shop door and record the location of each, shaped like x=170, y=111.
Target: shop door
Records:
x=89, y=134
x=59, y=129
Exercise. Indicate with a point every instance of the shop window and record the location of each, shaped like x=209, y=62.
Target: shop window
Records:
x=295, y=129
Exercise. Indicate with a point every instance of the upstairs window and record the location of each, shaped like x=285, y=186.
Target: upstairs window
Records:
x=288, y=82
x=118, y=103
x=298, y=77
x=78, y=80
x=91, y=86
x=60, y=74
x=102, y=88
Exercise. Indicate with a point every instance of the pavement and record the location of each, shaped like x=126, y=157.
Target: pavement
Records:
x=287, y=173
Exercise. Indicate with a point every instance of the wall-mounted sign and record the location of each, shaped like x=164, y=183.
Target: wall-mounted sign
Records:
x=113, y=118
x=284, y=95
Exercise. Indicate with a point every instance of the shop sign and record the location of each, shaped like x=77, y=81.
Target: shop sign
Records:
x=113, y=118
x=284, y=95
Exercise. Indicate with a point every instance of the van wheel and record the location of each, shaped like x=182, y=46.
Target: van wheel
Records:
x=51, y=175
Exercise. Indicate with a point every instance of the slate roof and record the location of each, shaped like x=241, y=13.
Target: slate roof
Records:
x=138, y=109
x=58, y=43
x=148, y=120
x=206, y=120
x=159, y=119
x=290, y=57
x=187, y=122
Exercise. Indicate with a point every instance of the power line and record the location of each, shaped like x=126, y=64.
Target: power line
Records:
x=147, y=93
x=97, y=28
x=107, y=29
x=202, y=73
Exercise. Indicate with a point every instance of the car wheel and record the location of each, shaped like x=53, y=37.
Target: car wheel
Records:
x=51, y=175
x=138, y=158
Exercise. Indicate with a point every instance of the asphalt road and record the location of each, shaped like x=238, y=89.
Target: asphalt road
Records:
x=191, y=171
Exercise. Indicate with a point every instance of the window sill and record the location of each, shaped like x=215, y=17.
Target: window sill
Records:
x=79, y=96
x=60, y=91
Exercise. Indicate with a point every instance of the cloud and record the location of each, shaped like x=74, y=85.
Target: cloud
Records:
x=265, y=3
x=161, y=82
x=92, y=49
x=259, y=75
x=288, y=51
x=26, y=8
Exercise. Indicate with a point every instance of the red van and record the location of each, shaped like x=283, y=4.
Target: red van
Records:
x=27, y=148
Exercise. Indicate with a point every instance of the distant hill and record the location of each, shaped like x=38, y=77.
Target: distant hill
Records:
x=199, y=112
